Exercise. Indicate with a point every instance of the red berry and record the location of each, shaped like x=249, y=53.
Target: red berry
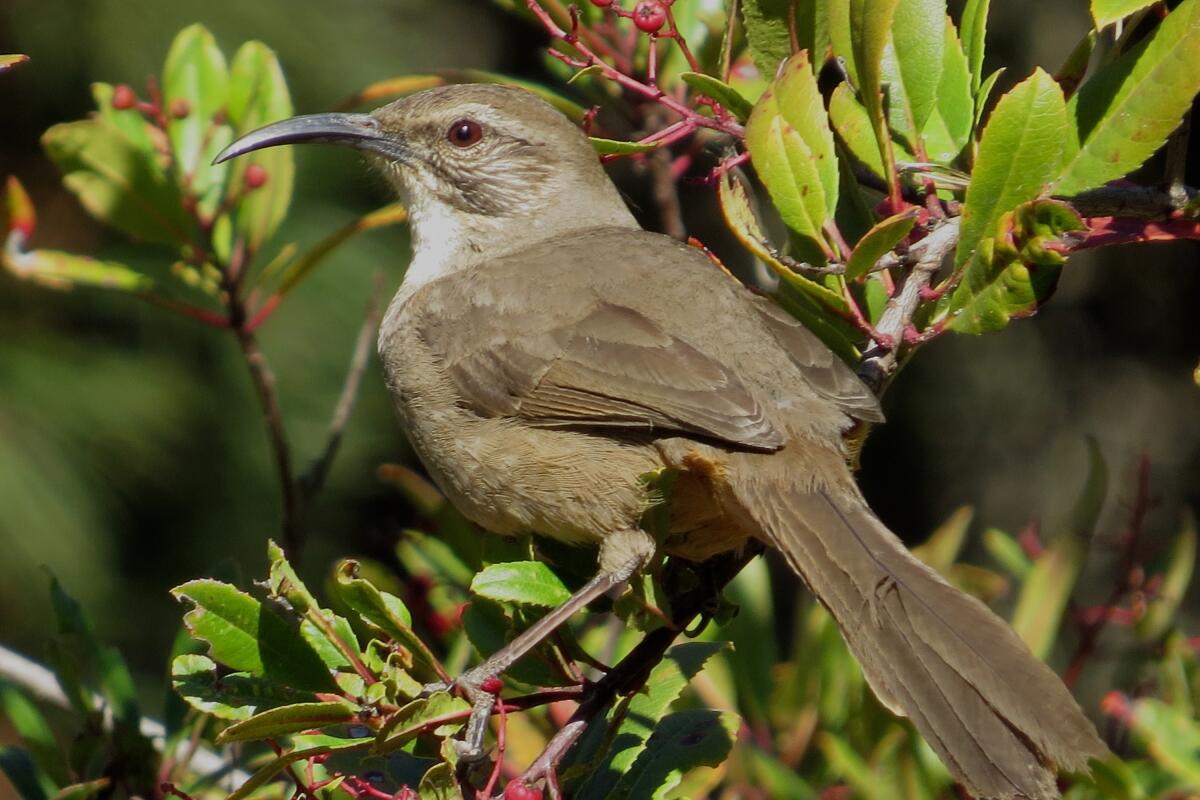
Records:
x=256, y=176
x=492, y=685
x=520, y=791
x=180, y=108
x=602, y=3
x=123, y=97
x=649, y=16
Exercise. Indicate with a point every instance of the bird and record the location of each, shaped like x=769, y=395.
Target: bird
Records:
x=545, y=354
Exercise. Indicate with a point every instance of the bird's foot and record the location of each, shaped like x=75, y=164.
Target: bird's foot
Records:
x=481, y=687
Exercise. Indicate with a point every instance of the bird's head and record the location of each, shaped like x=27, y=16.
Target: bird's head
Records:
x=475, y=162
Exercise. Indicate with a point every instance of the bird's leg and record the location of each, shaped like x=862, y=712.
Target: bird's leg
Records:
x=473, y=681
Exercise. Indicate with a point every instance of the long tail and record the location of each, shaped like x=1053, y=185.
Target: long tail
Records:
x=999, y=718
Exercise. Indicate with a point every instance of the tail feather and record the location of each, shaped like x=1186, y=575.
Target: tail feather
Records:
x=998, y=717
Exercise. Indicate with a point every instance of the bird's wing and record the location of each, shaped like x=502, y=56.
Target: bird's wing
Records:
x=579, y=361
x=827, y=374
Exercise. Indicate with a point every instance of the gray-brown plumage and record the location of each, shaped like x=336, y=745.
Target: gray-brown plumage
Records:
x=545, y=353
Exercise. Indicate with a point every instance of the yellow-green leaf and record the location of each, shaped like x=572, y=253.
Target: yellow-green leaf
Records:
x=1106, y=12
x=289, y=719
x=879, y=240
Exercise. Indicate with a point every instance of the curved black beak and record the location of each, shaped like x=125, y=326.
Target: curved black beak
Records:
x=357, y=130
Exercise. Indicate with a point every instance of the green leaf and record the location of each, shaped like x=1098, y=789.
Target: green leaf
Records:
x=791, y=147
x=245, y=635
x=380, y=609
x=877, y=242
x=974, y=34
x=289, y=719
x=949, y=127
x=523, y=582
x=723, y=93
x=912, y=66
x=1045, y=592
x=870, y=31
x=1021, y=152
x=58, y=270
x=440, y=714
x=1172, y=738
x=35, y=733
x=84, y=790
x=1181, y=562
x=258, y=94
x=1075, y=66
x=848, y=765
x=645, y=712
x=234, y=696
x=280, y=763
x=680, y=742
x=116, y=182
x=439, y=783
x=1125, y=112
x=853, y=126
x=1007, y=552
x=129, y=121
x=769, y=33
x=23, y=774
x=942, y=548
x=1106, y=12
x=984, y=95
x=615, y=147
x=195, y=87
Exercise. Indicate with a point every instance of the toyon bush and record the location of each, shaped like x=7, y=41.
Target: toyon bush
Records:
x=887, y=194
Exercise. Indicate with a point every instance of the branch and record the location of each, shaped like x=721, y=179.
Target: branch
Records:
x=881, y=362
x=314, y=477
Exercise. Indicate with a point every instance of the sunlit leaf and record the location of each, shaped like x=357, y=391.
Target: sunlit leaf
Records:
x=439, y=783
x=1106, y=12
x=870, y=32
x=441, y=714
x=877, y=242
x=1021, y=152
x=791, y=147
x=195, y=87
x=974, y=34
x=117, y=182
x=949, y=127
x=258, y=94
x=853, y=126
x=723, y=93
x=912, y=65
x=770, y=34
x=289, y=719
x=525, y=583
x=247, y=636
x=1125, y=112
x=380, y=609
x=233, y=696
x=680, y=741
x=1007, y=552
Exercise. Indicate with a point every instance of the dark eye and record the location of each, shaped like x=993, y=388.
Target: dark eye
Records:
x=465, y=132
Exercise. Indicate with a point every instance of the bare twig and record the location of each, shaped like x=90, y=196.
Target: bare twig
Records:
x=314, y=477
x=880, y=362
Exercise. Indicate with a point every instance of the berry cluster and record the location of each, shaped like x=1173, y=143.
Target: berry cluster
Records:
x=648, y=15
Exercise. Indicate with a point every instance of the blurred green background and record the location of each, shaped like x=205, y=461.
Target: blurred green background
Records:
x=132, y=454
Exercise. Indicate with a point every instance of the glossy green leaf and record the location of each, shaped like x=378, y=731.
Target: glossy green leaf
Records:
x=289, y=719
x=195, y=88
x=837, y=13
x=1165, y=603
x=1125, y=112
x=440, y=714
x=853, y=126
x=247, y=636
x=524, y=582
x=1020, y=153
x=974, y=34
x=36, y=737
x=615, y=147
x=258, y=94
x=116, y=182
x=723, y=93
x=23, y=774
x=283, y=581
x=380, y=609
x=769, y=33
x=870, y=32
x=1045, y=592
x=878, y=241
x=949, y=127
x=1106, y=12
x=681, y=741
x=984, y=95
x=791, y=147
x=439, y=783
x=233, y=696
x=912, y=65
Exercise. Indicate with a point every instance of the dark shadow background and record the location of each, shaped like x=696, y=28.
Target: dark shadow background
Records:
x=132, y=455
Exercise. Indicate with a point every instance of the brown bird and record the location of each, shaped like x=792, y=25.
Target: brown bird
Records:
x=545, y=353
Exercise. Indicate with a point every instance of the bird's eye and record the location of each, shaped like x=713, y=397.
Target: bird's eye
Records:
x=464, y=133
